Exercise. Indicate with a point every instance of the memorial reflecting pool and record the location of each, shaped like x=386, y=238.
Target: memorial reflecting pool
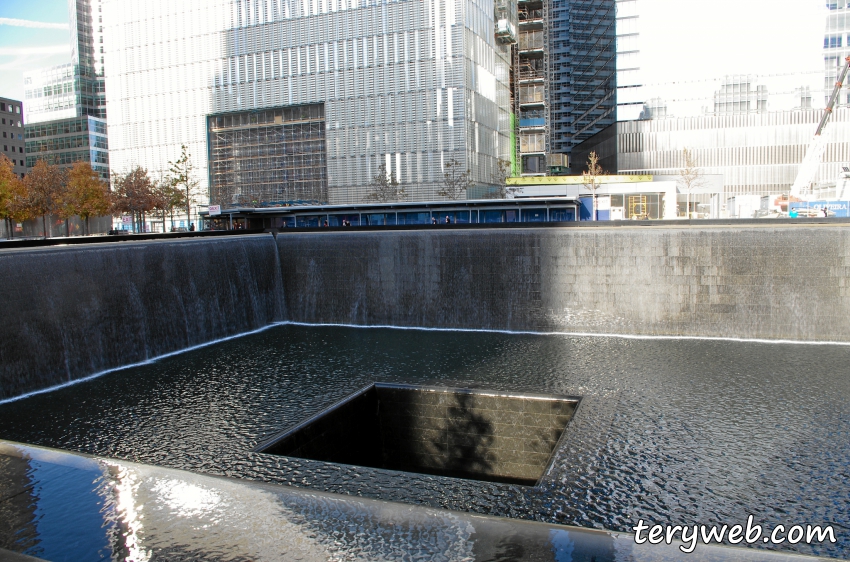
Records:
x=668, y=431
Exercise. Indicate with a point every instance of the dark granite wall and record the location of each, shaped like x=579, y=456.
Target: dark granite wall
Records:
x=77, y=310
x=73, y=311
x=470, y=434
x=435, y=430
x=754, y=282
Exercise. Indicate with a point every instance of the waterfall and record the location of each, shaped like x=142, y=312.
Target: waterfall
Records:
x=73, y=311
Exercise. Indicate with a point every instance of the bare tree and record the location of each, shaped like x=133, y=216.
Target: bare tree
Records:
x=385, y=188
x=690, y=178
x=182, y=176
x=44, y=185
x=593, y=177
x=500, y=180
x=455, y=181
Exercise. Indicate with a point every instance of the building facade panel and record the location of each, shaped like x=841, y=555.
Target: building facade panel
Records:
x=12, y=127
x=408, y=84
x=757, y=153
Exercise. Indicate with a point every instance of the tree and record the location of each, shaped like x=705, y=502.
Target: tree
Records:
x=44, y=186
x=12, y=196
x=182, y=176
x=87, y=195
x=592, y=177
x=690, y=178
x=455, y=181
x=385, y=187
x=500, y=180
x=133, y=194
x=168, y=197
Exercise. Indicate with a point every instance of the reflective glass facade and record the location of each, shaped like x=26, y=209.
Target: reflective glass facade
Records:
x=66, y=141
x=584, y=81
x=408, y=84
x=74, y=89
x=630, y=94
x=836, y=46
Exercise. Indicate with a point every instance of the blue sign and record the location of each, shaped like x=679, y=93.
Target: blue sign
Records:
x=815, y=208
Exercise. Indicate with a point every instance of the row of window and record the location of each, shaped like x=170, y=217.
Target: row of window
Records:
x=474, y=216
x=63, y=128
x=10, y=108
x=6, y=148
x=94, y=156
x=834, y=41
x=64, y=143
x=12, y=135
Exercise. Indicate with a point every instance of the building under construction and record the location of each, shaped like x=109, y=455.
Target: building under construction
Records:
x=564, y=79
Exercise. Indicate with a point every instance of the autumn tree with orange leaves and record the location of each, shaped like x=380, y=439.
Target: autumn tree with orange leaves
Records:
x=86, y=196
x=44, y=186
x=12, y=196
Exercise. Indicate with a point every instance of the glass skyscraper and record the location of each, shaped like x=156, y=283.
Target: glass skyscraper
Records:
x=583, y=83
x=66, y=107
x=74, y=89
x=836, y=46
x=402, y=85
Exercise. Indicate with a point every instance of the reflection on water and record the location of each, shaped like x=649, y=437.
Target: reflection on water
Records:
x=669, y=431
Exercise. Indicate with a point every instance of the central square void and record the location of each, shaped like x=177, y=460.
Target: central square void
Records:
x=459, y=432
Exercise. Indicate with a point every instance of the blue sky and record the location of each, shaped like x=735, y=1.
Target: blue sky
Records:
x=23, y=47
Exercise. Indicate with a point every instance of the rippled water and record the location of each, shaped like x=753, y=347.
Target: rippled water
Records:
x=678, y=431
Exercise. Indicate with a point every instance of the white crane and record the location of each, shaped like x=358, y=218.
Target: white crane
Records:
x=814, y=154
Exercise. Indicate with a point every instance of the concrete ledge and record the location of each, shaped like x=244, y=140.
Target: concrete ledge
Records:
x=88, y=506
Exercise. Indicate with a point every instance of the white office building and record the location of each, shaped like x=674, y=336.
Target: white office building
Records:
x=286, y=100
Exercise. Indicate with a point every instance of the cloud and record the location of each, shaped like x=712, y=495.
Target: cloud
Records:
x=23, y=51
x=30, y=23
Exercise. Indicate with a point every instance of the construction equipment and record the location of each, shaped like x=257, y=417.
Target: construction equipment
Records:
x=809, y=166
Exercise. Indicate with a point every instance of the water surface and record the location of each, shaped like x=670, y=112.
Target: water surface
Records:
x=669, y=431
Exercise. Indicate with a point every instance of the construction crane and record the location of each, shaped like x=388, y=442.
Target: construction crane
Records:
x=809, y=166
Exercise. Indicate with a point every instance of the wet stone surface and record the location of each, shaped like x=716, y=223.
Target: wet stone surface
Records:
x=669, y=431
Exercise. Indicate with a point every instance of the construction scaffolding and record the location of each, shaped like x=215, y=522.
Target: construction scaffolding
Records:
x=268, y=157
x=531, y=86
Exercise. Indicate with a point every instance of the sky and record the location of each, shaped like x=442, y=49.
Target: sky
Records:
x=41, y=39
x=682, y=41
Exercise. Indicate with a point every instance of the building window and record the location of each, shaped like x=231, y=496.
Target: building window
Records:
x=832, y=42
